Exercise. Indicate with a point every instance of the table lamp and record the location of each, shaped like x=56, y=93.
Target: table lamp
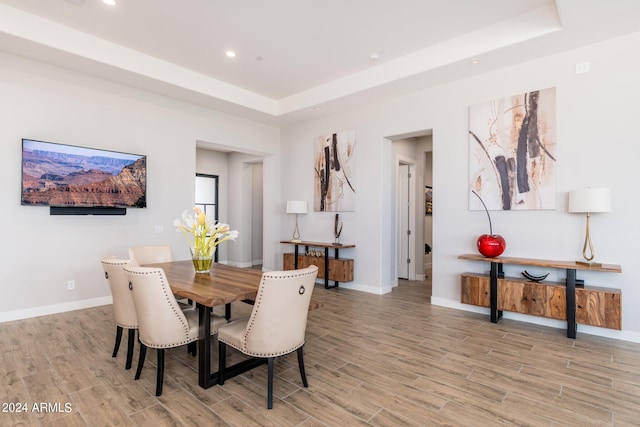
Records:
x=589, y=200
x=296, y=207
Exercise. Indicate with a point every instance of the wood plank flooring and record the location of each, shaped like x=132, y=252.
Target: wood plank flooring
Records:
x=390, y=360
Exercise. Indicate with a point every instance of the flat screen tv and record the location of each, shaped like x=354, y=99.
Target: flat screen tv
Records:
x=92, y=180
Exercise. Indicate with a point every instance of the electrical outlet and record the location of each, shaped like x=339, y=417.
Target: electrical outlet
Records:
x=71, y=285
x=159, y=229
x=582, y=67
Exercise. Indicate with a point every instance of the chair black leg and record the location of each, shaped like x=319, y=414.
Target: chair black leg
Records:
x=160, y=371
x=301, y=367
x=143, y=354
x=270, y=383
x=192, y=348
x=130, y=343
x=118, y=339
x=222, y=362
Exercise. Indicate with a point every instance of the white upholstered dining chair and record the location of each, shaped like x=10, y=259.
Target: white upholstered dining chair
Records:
x=154, y=254
x=124, y=311
x=277, y=323
x=150, y=254
x=162, y=323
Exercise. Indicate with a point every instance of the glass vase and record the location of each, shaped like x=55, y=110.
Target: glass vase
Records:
x=202, y=262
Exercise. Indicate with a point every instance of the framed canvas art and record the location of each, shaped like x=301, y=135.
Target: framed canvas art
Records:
x=334, y=167
x=512, y=152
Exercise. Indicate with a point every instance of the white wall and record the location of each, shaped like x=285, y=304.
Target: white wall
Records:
x=40, y=252
x=241, y=205
x=597, y=136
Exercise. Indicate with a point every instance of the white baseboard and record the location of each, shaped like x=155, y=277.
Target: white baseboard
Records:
x=358, y=287
x=237, y=264
x=27, y=313
x=558, y=324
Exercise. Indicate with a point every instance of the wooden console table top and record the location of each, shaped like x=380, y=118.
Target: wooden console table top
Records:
x=571, y=265
x=319, y=244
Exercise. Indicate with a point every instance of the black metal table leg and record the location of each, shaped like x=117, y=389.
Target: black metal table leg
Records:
x=295, y=257
x=496, y=271
x=206, y=378
x=335, y=282
x=204, y=347
x=326, y=268
x=572, y=327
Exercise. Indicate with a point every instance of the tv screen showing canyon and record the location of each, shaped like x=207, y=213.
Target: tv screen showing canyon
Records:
x=70, y=176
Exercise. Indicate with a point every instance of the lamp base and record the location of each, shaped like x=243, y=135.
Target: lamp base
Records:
x=296, y=241
x=589, y=264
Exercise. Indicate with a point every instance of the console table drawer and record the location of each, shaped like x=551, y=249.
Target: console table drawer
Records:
x=474, y=290
x=538, y=299
x=599, y=307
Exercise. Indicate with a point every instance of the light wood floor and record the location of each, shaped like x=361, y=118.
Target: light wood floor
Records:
x=391, y=360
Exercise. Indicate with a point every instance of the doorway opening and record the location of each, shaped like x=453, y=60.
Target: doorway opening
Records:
x=412, y=223
x=239, y=191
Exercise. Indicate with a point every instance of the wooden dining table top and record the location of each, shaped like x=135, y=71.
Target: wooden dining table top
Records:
x=223, y=285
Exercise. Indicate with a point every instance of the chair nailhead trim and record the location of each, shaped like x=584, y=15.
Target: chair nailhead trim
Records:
x=181, y=319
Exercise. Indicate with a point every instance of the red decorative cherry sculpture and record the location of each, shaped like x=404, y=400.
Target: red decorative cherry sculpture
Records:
x=491, y=245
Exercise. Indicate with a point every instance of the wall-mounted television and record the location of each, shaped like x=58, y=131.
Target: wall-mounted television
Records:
x=82, y=180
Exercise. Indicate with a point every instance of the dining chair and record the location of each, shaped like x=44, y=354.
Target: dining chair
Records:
x=151, y=254
x=277, y=323
x=154, y=254
x=162, y=323
x=123, y=308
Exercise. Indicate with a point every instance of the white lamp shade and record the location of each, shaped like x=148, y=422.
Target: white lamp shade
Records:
x=590, y=200
x=297, y=207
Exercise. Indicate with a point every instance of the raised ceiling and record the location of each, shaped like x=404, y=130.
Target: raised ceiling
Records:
x=300, y=58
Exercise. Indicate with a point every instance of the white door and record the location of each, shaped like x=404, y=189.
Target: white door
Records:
x=404, y=231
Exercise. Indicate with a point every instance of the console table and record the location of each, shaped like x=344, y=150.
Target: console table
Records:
x=586, y=304
x=335, y=269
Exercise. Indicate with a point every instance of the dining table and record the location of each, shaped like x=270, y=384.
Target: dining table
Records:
x=223, y=285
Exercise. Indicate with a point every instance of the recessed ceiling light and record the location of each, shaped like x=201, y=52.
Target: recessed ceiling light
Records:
x=474, y=61
x=109, y=2
x=374, y=56
x=230, y=54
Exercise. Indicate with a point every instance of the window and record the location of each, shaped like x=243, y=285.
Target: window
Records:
x=207, y=196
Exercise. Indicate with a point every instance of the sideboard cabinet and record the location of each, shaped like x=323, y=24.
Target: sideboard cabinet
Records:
x=571, y=301
x=333, y=268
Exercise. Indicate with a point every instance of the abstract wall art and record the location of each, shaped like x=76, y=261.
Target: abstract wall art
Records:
x=334, y=168
x=512, y=152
